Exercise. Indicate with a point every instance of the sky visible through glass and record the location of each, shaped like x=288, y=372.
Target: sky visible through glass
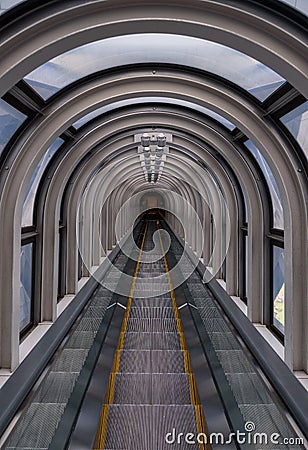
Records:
x=28, y=207
x=278, y=220
x=166, y=100
x=235, y=66
x=278, y=288
x=26, y=257
x=297, y=123
x=10, y=121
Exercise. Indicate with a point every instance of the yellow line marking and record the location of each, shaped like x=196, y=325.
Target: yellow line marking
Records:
x=200, y=420
x=102, y=427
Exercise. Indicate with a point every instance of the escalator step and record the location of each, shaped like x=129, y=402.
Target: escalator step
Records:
x=133, y=389
x=171, y=389
x=144, y=427
x=214, y=324
x=135, y=361
x=151, y=361
x=167, y=361
x=154, y=341
x=151, y=291
x=152, y=313
x=89, y=324
x=153, y=302
x=152, y=389
x=153, y=325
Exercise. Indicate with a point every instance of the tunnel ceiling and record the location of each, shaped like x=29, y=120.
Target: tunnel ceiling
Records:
x=223, y=99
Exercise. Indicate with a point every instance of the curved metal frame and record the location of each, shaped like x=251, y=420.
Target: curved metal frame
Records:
x=58, y=27
x=272, y=48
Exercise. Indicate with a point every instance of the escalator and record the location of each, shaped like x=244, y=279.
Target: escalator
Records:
x=161, y=368
x=151, y=378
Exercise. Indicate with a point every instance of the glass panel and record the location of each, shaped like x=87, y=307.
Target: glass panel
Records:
x=8, y=4
x=235, y=66
x=212, y=238
x=79, y=123
x=28, y=207
x=301, y=5
x=26, y=263
x=278, y=221
x=246, y=266
x=10, y=121
x=278, y=288
x=297, y=123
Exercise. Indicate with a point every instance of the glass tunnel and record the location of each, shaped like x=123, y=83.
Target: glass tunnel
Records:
x=153, y=224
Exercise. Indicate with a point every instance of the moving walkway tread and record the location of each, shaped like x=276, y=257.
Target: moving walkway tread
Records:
x=153, y=389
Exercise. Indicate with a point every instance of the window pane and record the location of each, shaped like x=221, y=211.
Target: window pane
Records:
x=28, y=207
x=297, y=123
x=8, y=4
x=278, y=288
x=10, y=121
x=246, y=266
x=278, y=221
x=301, y=5
x=231, y=64
x=26, y=263
x=79, y=123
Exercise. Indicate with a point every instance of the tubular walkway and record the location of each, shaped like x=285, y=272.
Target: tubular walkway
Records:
x=162, y=367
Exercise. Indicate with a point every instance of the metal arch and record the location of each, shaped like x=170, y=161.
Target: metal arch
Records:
x=253, y=118
x=231, y=201
x=70, y=240
x=94, y=198
x=256, y=229
x=129, y=167
x=51, y=241
x=99, y=186
x=58, y=27
x=211, y=122
x=296, y=149
x=211, y=163
x=69, y=208
x=136, y=180
x=122, y=144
